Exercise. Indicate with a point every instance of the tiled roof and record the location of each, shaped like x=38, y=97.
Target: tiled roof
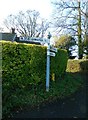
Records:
x=7, y=36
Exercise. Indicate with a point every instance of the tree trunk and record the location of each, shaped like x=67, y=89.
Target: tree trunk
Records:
x=80, y=46
x=87, y=27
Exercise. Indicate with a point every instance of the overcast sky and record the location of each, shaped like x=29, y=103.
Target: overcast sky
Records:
x=8, y=7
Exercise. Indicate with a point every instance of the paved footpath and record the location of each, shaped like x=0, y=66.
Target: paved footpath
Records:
x=74, y=106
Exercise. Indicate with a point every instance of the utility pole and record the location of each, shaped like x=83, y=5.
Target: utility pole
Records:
x=80, y=48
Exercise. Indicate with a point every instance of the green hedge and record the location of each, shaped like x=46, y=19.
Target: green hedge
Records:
x=84, y=65
x=77, y=65
x=25, y=65
x=59, y=63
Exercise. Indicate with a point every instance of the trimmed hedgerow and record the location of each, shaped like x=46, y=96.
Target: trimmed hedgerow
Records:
x=77, y=65
x=24, y=65
x=59, y=63
x=84, y=65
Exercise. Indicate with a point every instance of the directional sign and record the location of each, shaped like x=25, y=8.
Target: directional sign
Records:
x=52, y=54
x=53, y=49
x=34, y=39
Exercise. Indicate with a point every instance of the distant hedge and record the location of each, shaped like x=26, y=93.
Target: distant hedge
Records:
x=77, y=65
x=25, y=65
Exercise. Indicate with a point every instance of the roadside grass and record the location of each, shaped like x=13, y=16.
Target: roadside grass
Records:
x=36, y=95
x=64, y=87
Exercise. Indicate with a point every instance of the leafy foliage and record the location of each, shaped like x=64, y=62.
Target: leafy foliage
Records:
x=84, y=66
x=24, y=67
x=59, y=63
x=74, y=66
x=65, y=42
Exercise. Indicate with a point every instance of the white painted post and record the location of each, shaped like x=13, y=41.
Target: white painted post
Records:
x=48, y=64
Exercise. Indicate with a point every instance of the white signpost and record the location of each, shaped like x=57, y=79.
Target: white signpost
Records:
x=53, y=49
x=50, y=52
x=34, y=39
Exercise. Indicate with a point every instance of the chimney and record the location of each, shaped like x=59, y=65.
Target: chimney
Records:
x=12, y=30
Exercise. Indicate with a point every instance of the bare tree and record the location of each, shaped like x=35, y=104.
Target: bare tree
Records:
x=27, y=23
x=69, y=18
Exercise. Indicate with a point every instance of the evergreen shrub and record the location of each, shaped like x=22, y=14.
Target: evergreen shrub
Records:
x=84, y=65
x=23, y=66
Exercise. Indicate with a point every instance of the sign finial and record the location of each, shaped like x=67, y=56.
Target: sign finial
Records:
x=49, y=35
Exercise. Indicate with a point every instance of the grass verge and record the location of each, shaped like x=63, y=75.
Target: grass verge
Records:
x=64, y=87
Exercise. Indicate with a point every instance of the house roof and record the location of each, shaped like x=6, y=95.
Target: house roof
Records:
x=7, y=36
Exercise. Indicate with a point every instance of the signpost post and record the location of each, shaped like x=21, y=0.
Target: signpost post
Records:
x=49, y=53
x=48, y=64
